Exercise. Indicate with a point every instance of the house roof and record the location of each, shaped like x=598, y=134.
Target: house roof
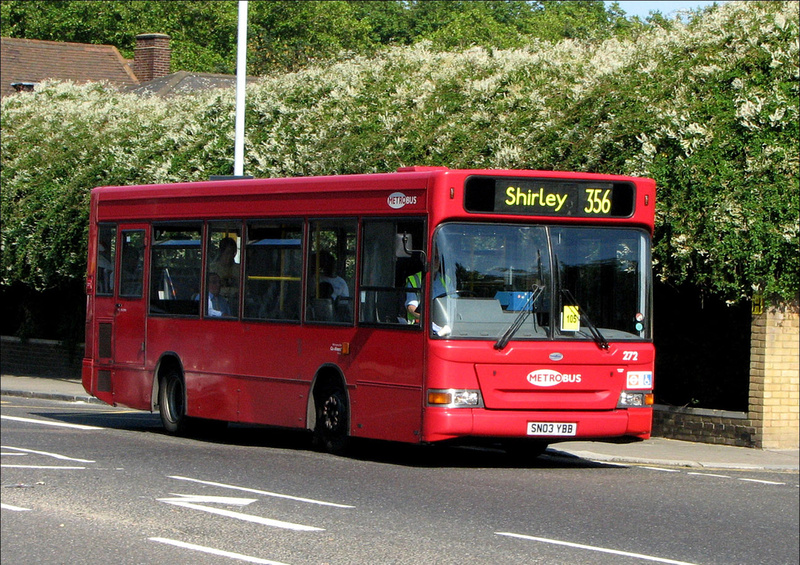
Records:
x=32, y=61
x=184, y=82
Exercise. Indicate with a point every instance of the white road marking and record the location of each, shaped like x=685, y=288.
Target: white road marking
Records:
x=46, y=423
x=762, y=482
x=46, y=453
x=215, y=499
x=214, y=551
x=14, y=508
x=38, y=467
x=714, y=475
x=183, y=502
x=262, y=492
x=599, y=549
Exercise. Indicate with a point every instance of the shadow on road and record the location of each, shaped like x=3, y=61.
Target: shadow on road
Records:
x=383, y=452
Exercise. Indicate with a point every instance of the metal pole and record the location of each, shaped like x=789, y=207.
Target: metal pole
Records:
x=241, y=81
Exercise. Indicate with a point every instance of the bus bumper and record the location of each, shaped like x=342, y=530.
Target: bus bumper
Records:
x=443, y=424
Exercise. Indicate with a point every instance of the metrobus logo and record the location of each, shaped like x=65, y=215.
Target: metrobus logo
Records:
x=548, y=377
x=397, y=200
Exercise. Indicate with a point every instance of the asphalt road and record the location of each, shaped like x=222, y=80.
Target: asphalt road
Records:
x=88, y=484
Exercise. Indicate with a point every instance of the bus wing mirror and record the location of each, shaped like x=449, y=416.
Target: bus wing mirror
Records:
x=407, y=249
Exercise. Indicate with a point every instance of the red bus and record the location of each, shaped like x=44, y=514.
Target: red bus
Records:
x=426, y=305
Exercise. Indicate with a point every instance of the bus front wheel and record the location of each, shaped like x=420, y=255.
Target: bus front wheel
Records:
x=172, y=403
x=331, y=429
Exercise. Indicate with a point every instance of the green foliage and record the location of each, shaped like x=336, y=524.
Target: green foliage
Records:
x=203, y=31
x=289, y=35
x=709, y=108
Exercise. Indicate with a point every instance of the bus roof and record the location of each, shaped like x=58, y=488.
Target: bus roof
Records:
x=331, y=195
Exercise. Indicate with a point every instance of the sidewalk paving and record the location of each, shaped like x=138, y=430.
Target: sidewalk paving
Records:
x=655, y=451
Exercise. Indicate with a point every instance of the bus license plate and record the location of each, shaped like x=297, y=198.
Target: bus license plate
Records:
x=552, y=429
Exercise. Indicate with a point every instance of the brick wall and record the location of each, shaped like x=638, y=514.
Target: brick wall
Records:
x=704, y=426
x=39, y=358
x=773, y=417
x=774, y=376
x=151, y=56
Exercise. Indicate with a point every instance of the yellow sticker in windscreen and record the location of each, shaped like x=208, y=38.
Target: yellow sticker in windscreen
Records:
x=570, y=319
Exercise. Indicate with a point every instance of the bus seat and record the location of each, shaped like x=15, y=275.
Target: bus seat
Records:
x=344, y=309
x=322, y=309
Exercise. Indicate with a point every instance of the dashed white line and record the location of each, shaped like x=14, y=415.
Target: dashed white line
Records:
x=46, y=423
x=14, y=508
x=46, y=453
x=714, y=475
x=214, y=551
x=40, y=467
x=762, y=482
x=598, y=549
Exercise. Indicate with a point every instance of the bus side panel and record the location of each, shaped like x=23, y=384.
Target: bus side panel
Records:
x=197, y=343
x=272, y=402
x=212, y=396
x=272, y=385
x=387, y=412
x=387, y=368
x=91, y=375
x=132, y=388
x=237, y=372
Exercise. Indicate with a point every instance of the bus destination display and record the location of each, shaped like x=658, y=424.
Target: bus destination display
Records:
x=546, y=197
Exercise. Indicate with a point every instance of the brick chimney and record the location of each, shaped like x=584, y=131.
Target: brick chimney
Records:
x=151, y=56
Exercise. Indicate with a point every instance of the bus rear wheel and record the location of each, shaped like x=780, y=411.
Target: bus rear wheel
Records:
x=332, y=426
x=172, y=403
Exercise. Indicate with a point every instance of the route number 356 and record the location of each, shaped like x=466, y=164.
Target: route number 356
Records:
x=597, y=201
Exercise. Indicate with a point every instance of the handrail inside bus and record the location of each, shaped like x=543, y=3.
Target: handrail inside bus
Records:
x=261, y=278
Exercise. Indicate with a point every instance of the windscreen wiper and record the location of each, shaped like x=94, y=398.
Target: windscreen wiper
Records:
x=601, y=341
x=526, y=311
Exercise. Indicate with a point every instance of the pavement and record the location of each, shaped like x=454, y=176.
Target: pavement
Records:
x=655, y=451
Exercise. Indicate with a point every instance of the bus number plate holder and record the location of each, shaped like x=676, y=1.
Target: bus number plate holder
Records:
x=552, y=428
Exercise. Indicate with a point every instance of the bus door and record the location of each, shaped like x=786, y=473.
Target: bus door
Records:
x=120, y=309
x=130, y=308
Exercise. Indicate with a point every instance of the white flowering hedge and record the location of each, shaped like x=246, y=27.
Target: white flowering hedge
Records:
x=709, y=109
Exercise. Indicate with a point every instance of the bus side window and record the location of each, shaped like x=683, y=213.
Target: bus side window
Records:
x=273, y=270
x=387, y=265
x=106, y=255
x=224, y=262
x=176, y=269
x=331, y=271
x=132, y=264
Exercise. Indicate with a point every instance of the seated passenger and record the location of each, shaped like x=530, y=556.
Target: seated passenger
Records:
x=217, y=305
x=338, y=284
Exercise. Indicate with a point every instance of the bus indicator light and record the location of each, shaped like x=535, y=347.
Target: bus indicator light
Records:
x=455, y=398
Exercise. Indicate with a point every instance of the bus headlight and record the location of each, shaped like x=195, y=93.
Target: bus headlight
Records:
x=455, y=398
x=629, y=399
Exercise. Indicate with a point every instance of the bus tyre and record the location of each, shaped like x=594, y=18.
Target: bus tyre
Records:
x=172, y=403
x=331, y=429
